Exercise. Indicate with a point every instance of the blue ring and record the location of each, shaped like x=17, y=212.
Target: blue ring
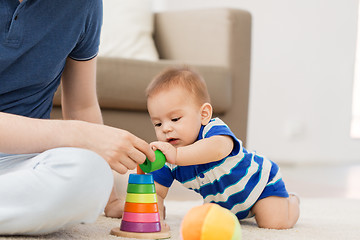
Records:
x=141, y=178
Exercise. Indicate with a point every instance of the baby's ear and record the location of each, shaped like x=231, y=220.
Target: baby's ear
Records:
x=206, y=113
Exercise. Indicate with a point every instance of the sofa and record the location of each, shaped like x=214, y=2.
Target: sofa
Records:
x=214, y=42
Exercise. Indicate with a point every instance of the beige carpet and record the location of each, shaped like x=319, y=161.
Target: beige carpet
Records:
x=320, y=219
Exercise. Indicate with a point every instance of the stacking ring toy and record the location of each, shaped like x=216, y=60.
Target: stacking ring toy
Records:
x=144, y=227
x=141, y=188
x=141, y=198
x=141, y=207
x=141, y=179
x=159, y=162
x=141, y=217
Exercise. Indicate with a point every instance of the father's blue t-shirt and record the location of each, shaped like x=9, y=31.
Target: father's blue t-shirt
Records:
x=36, y=37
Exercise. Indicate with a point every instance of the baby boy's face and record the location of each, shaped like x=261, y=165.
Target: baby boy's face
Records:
x=175, y=116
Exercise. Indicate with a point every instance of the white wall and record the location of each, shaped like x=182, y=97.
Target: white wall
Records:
x=301, y=77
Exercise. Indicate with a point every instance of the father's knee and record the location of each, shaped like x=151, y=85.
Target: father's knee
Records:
x=83, y=183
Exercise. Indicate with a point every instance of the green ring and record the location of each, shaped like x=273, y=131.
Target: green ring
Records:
x=160, y=160
x=141, y=188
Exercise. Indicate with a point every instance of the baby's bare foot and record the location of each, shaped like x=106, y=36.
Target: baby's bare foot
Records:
x=295, y=195
x=114, y=209
x=164, y=226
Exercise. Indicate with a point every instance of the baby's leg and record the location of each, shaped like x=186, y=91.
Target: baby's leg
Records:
x=277, y=212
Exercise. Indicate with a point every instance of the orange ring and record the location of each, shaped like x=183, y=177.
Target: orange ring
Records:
x=141, y=207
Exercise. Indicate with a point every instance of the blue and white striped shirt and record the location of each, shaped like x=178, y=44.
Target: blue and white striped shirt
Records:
x=235, y=182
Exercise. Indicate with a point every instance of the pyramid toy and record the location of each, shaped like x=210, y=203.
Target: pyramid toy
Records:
x=141, y=218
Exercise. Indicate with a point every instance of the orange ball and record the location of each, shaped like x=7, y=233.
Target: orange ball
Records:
x=210, y=222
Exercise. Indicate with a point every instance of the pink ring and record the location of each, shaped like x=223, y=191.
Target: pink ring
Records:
x=141, y=217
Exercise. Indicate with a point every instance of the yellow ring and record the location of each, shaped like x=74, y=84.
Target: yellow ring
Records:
x=141, y=198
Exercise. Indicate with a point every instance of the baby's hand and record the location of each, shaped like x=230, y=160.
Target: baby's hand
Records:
x=167, y=149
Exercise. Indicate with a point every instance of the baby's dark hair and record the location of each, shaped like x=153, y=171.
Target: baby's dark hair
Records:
x=180, y=77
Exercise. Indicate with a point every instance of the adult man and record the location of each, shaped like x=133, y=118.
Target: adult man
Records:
x=52, y=172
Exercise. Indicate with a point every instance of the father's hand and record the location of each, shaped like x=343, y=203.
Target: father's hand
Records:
x=121, y=149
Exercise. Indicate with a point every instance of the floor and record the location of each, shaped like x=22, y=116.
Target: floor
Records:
x=335, y=181
x=340, y=181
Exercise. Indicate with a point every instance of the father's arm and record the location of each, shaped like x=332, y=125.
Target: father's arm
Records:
x=26, y=135
x=121, y=149
x=79, y=99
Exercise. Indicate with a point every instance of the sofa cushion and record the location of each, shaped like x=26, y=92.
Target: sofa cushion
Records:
x=127, y=30
x=121, y=83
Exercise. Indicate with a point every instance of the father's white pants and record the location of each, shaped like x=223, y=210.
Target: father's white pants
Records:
x=42, y=193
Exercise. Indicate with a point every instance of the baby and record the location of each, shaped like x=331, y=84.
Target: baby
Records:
x=204, y=155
